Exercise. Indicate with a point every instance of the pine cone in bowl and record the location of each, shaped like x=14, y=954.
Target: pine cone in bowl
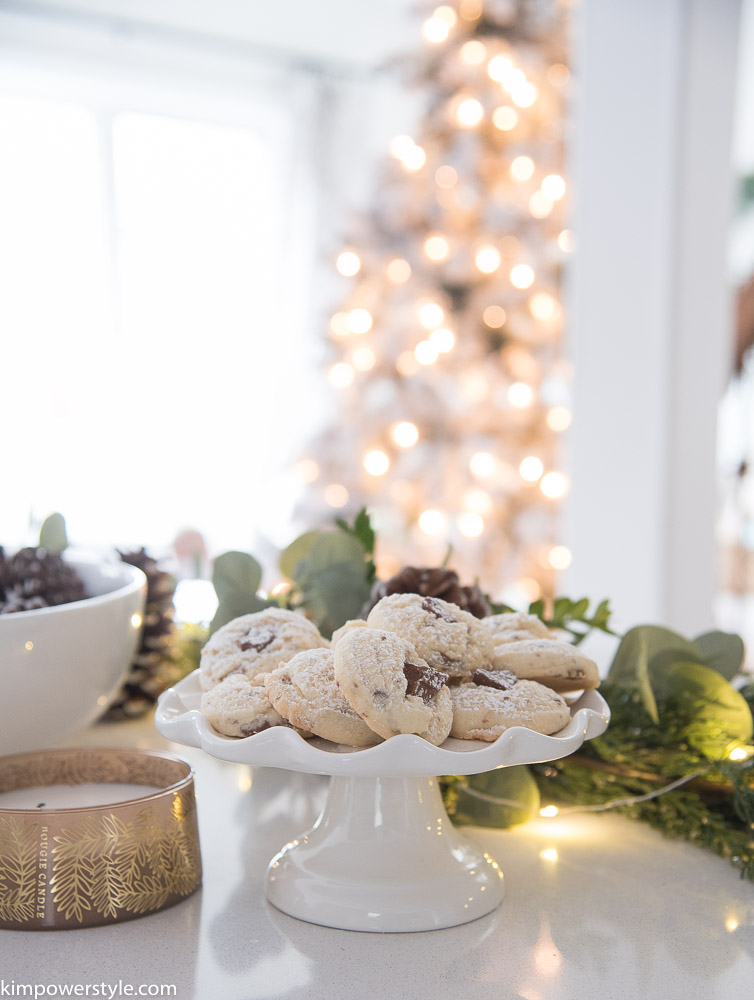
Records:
x=34, y=578
x=430, y=582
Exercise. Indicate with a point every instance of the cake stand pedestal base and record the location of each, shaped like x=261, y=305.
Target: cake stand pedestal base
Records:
x=384, y=856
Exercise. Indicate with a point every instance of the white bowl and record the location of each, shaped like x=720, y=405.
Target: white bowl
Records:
x=61, y=667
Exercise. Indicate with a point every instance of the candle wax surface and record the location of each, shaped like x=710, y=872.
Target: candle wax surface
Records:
x=73, y=796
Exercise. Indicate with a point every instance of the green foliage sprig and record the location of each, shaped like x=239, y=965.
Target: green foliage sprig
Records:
x=330, y=573
x=570, y=616
x=675, y=715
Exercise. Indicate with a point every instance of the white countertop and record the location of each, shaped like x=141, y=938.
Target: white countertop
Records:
x=620, y=913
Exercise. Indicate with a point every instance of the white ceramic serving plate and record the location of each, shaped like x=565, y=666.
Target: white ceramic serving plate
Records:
x=383, y=856
x=60, y=667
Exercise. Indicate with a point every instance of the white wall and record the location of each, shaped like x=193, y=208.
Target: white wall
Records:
x=650, y=330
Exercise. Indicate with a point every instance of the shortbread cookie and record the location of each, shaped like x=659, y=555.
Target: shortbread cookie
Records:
x=447, y=638
x=239, y=707
x=394, y=690
x=559, y=665
x=305, y=693
x=516, y=625
x=490, y=703
x=255, y=644
x=339, y=632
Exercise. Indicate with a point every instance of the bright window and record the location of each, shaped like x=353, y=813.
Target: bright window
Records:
x=152, y=333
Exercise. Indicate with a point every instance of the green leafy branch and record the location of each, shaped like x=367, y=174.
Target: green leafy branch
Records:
x=569, y=616
x=330, y=574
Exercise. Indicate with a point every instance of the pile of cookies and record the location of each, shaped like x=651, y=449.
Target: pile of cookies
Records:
x=416, y=665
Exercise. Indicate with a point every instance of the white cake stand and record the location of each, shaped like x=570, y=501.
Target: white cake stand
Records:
x=383, y=856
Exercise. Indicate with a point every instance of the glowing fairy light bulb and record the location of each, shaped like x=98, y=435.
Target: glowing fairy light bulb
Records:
x=376, y=462
x=531, y=469
x=738, y=753
x=414, y=159
x=524, y=95
x=336, y=495
x=504, y=118
x=540, y=205
x=549, y=811
x=432, y=522
x=404, y=433
x=426, y=353
x=431, y=315
x=522, y=276
x=559, y=418
x=482, y=464
x=469, y=112
x=470, y=10
x=471, y=524
x=487, y=259
x=494, y=317
x=359, y=321
x=542, y=306
x=436, y=248
x=559, y=557
x=339, y=325
x=558, y=75
x=442, y=339
x=473, y=52
x=363, y=359
x=446, y=177
x=398, y=271
x=522, y=168
x=435, y=30
x=566, y=241
x=348, y=263
x=340, y=375
x=554, y=485
x=446, y=14
x=553, y=187
x=406, y=363
x=479, y=501
x=520, y=395
x=307, y=470
x=499, y=68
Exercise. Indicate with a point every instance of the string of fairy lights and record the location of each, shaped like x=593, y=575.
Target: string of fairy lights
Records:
x=452, y=393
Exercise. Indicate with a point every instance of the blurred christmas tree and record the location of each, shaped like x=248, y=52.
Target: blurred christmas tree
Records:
x=445, y=352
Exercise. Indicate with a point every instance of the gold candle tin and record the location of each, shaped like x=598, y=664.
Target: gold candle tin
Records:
x=63, y=868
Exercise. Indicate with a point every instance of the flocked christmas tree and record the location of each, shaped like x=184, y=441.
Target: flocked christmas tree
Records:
x=445, y=351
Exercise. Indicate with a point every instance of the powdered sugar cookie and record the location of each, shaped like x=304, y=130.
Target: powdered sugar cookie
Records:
x=255, y=644
x=352, y=623
x=516, y=625
x=559, y=665
x=447, y=638
x=394, y=690
x=494, y=701
x=305, y=693
x=239, y=707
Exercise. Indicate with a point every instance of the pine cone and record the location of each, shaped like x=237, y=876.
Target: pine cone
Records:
x=430, y=582
x=153, y=669
x=35, y=578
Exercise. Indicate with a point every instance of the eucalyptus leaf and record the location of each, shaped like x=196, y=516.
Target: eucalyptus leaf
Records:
x=236, y=572
x=299, y=548
x=638, y=648
x=722, y=651
x=504, y=797
x=717, y=714
x=234, y=605
x=52, y=535
x=333, y=580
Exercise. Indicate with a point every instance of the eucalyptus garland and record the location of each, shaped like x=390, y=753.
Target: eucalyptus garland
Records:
x=676, y=755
